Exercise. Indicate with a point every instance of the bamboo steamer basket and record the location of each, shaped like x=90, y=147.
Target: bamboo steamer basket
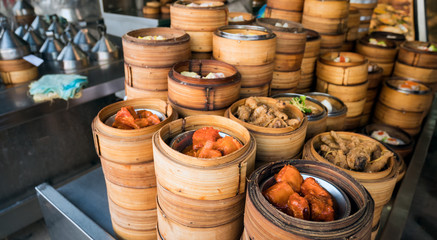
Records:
x=139, y=175
x=128, y=146
x=353, y=19
x=20, y=76
x=325, y=25
x=317, y=123
x=185, y=112
x=199, y=178
x=263, y=221
x=185, y=218
x=375, y=53
x=312, y=45
x=374, y=75
x=285, y=80
x=364, y=4
x=347, y=93
x=326, y=9
x=126, y=233
x=306, y=81
x=368, y=106
x=274, y=144
x=352, y=35
x=233, y=45
x=203, y=94
x=134, y=93
x=411, y=55
x=198, y=19
x=342, y=73
x=14, y=65
x=293, y=5
x=290, y=44
x=329, y=50
x=372, y=93
x=201, y=55
x=365, y=15
x=365, y=118
x=149, y=10
x=199, y=22
x=412, y=101
x=426, y=76
x=200, y=41
x=132, y=219
x=132, y=198
x=258, y=91
x=402, y=119
x=151, y=79
x=379, y=184
x=403, y=150
x=348, y=46
x=308, y=65
x=387, y=68
x=255, y=76
x=302, y=90
x=248, y=18
x=351, y=123
x=336, y=118
x=332, y=40
x=155, y=53
x=279, y=91
x=294, y=16
x=355, y=108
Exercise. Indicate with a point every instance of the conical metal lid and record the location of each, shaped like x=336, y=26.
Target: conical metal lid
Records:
x=84, y=39
x=35, y=41
x=22, y=8
x=51, y=47
x=56, y=27
x=11, y=45
x=20, y=31
x=71, y=28
x=40, y=26
x=72, y=57
x=104, y=50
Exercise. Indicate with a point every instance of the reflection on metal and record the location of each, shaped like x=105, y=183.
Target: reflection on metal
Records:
x=72, y=57
x=51, y=48
x=20, y=31
x=64, y=220
x=40, y=26
x=11, y=45
x=84, y=39
x=399, y=213
x=33, y=39
x=104, y=50
x=22, y=8
x=56, y=27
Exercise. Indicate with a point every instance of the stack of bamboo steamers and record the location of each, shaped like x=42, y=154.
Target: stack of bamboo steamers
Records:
x=290, y=10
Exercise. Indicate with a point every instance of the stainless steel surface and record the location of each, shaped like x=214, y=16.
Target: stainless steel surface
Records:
x=40, y=26
x=56, y=27
x=104, y=50
x=11, y=45
x=64, y=220
x=51, y=47
x=72, y=10
x=402, y=204
x=33, y=39
x=22, y=8
x=71, y=28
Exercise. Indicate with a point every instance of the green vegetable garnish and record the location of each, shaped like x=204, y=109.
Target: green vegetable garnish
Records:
x=432, y=48
x=299, y=102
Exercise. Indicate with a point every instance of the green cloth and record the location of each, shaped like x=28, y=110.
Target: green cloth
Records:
x=63, y=86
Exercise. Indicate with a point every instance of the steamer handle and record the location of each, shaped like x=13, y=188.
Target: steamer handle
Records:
x=227, y=15
x=129, y=75
x=416, y=59
x=242, y=174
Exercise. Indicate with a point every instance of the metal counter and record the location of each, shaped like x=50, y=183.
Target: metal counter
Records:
x=48, y=141
x=86, y=197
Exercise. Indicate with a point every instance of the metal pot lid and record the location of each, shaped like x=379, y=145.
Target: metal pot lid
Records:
x=51, y=47
x=104, y=49
x=40, y=26
x=20, y=31
x=22, y=8
x=11, y=46
x=56, y=27
x=221, y=31
x=35, y=41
